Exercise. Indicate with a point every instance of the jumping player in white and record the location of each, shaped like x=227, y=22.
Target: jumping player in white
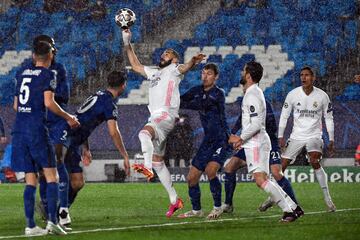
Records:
x=308, y=104
x=164, y=103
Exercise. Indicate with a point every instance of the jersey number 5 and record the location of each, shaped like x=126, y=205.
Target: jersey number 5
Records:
x=24, y=91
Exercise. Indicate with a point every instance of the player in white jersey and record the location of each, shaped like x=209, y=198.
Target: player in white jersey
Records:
x=164, y=103
x=309, y=104
x=256, y=141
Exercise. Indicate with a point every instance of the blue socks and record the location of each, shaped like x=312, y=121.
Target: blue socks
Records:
x=29, y=205
x=52, y=197
x=195, y=194
x=42, y=191
x=215, y=188
x=63, y=185
x=286, y=186
x=230, y=185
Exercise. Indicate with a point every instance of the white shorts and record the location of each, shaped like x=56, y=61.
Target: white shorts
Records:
x=162, y=123
x=257, y=159
x=294, y=147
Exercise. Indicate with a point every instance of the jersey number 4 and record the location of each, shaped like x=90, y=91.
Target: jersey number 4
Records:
x=24, y=91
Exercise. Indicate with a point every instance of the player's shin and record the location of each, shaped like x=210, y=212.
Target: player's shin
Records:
x=286, y=186
x=195, y=195
x=63, y=185
x=147, y=148
x=42, y=191
x=322, y=179
x=52, y=196
x=230, y=185
x=215, y=188
x=29, y=205
x=165, y=179
x=277, y=194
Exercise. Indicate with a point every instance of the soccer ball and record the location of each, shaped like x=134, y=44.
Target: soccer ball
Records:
x=125, y=18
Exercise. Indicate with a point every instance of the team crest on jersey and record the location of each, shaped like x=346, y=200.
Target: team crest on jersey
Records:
x=53, y=84
x=252, y=108
x=204, y=96
x=315, y=104
x=154, y=82
x=286, y=105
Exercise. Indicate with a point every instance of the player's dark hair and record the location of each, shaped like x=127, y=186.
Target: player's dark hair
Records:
x=41, y=49
x=116, y=79
x=255, y=70
x=45, y=38
x=309, y=69
x=176, y=54
x=213, y=67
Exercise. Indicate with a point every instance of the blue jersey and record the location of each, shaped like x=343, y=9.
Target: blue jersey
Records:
x=211, y=107
x=95, y=110
x=31, y=83
x=271, y=126
x=62, y=91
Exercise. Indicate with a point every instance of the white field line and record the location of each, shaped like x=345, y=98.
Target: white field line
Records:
x=181, y=223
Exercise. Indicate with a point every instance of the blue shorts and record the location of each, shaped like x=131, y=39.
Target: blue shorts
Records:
x=274, y=157
x=30, y=153
x=211, y=152
x=58, y=132
x=73, y=159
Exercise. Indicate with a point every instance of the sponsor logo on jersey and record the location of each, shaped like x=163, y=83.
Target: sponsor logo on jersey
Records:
x=24, y=109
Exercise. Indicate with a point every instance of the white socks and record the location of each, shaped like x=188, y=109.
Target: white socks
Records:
x=147, y=148
x=322, y=179
x=165, y=178
x=277, y=194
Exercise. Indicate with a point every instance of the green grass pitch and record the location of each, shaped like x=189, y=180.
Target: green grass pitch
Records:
x=137, y=211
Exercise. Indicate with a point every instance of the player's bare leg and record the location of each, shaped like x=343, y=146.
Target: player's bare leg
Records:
x=322, y=179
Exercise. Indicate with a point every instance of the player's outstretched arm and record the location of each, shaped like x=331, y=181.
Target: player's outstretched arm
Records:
x=183, y=68
x=118, y=142
x=134, y=61
x=55, y=108
x=15, y=104
x=86, y=155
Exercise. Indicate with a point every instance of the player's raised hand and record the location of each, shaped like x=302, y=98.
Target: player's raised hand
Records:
x=126, y=36
x=331, y=149
x=198, y=58
x=73, y=122
x=127, y=166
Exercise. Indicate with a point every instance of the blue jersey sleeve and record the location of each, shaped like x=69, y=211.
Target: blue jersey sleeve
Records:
x=62, y=93
x=49, y=80
x=238, y=123
x=191, y=100
x=219, y=100
x=271, y=126
x=110, y=110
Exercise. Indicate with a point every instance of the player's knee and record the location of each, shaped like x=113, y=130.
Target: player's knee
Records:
x=228, y=168
x=144, y=135
x=315, y=163
x=77, y=185
x=191, y=181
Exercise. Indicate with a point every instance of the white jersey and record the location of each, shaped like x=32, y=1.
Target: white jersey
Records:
x=164, y=95
x=253, y=119
x=308, y=112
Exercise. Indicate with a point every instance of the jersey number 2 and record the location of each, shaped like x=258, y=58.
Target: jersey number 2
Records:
x=24, y=91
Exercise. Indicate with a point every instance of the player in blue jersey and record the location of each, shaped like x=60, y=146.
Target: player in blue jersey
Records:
x=239, y=160
x=96, y=109
x=62, y=94
x=32, y=149
x=209, y=100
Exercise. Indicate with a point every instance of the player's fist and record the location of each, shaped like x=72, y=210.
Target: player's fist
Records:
x=126, y=36
x=73, y=122
x=86, y=157
x=198, y=58
x=331, y=149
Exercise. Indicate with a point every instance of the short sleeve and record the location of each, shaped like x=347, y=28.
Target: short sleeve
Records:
x=49, y=80
x=149, y=71
x=110, y=111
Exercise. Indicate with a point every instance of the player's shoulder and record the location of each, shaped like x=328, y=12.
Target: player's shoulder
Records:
x=58, y=67
x=321, y=92
x=219, y=91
